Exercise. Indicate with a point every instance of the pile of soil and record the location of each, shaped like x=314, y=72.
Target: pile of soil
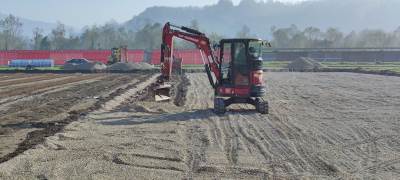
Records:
x=129, y=66
x=304, y=64
x=93, y=66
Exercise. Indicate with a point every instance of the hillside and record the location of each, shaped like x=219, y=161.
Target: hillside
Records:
x=227, y=18
x=29, y=25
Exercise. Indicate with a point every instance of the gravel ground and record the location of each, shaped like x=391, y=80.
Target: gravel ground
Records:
x=321, y=126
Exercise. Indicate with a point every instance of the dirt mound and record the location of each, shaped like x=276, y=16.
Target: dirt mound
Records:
x=304, y=64
x=93, y=66
x=130, y=66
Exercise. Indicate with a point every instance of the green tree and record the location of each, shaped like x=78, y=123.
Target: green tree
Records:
x=244, y=32
x=149, y=37
x=37, y=38
x=215, y=37
x=373, y=38
x=333, y=37
x=194, y=24
x=58, y=37
x=10, y=30
x=45, y=44
x=350, y=40
x=90, y=38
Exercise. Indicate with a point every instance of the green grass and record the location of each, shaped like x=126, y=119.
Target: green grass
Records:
x=392, y=66
x=276, y=64
x=267, y=64
x=193, y=66
x=372, y=66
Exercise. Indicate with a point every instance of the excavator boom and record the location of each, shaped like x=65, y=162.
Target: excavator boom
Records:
x=198, y=38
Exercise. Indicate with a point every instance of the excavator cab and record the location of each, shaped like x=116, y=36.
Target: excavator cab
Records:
x=241, y=74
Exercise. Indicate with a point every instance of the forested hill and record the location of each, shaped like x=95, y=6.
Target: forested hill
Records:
x=227, y=19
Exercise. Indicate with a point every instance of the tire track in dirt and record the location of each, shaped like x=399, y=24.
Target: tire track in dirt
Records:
x=30, y=83
x=16, y=82
x=13, y=76
x=302, y=157
x=118, y=160
x=112, y=84
x=49, y=105
x=195, y=154
x=199, y=94
x=244, y=143
x=231, y=140
x=248, y=136
x=225, y=127
x=33, y=86
x=42, y=92
x=347, y=136
x=214, y=133
x=290, y=137
x=201, y=135
x=280, y=149
x=321, y=126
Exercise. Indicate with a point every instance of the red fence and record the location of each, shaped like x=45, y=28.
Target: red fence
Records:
x=61, y=56
x=190, y=56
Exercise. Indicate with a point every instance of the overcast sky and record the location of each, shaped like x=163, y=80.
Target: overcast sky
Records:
x=78, y=13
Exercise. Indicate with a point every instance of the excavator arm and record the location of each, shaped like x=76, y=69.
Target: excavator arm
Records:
x=202, y=43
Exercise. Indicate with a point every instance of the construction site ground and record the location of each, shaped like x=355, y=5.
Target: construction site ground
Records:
x=320, y=126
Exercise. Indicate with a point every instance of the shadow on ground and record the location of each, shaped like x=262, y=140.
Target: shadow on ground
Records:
x=162, y=118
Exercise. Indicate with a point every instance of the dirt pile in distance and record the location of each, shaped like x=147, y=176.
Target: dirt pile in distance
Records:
x=129, y=66
x=92, y=66
x=304, y=64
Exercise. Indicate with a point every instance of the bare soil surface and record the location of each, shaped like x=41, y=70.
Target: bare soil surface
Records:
x=321, y=126
x=41, y=105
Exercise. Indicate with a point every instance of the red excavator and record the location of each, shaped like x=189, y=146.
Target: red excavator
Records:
x=234, y=67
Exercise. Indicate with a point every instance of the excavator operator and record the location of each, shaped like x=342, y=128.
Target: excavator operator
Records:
x=241, y=65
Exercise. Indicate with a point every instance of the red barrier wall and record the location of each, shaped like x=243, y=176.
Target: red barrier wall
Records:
x=135, y=55
x=61, y=56
x=189, y=56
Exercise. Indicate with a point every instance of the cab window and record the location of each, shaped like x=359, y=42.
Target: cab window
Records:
x=226, y=62
x=255, y=49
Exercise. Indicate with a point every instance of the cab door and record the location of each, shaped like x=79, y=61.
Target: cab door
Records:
x=226, y=63
x=240, y=64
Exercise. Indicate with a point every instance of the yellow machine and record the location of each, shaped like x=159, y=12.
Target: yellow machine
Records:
x=118, y=55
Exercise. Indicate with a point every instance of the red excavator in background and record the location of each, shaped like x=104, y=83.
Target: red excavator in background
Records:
x=235, y=73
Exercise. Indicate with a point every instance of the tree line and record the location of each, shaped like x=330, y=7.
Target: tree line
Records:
x=312, y=37
x=112, y=35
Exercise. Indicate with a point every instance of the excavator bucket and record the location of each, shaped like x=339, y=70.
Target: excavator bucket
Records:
x=161, y=92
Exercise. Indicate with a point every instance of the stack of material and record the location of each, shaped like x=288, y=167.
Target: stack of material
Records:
x=92, y=66
x=130, y=66
x=305, y=64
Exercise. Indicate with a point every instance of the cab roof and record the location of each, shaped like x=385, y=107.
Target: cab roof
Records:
x=240, y=40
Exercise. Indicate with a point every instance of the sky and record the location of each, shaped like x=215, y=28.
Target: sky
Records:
x=78, y=13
